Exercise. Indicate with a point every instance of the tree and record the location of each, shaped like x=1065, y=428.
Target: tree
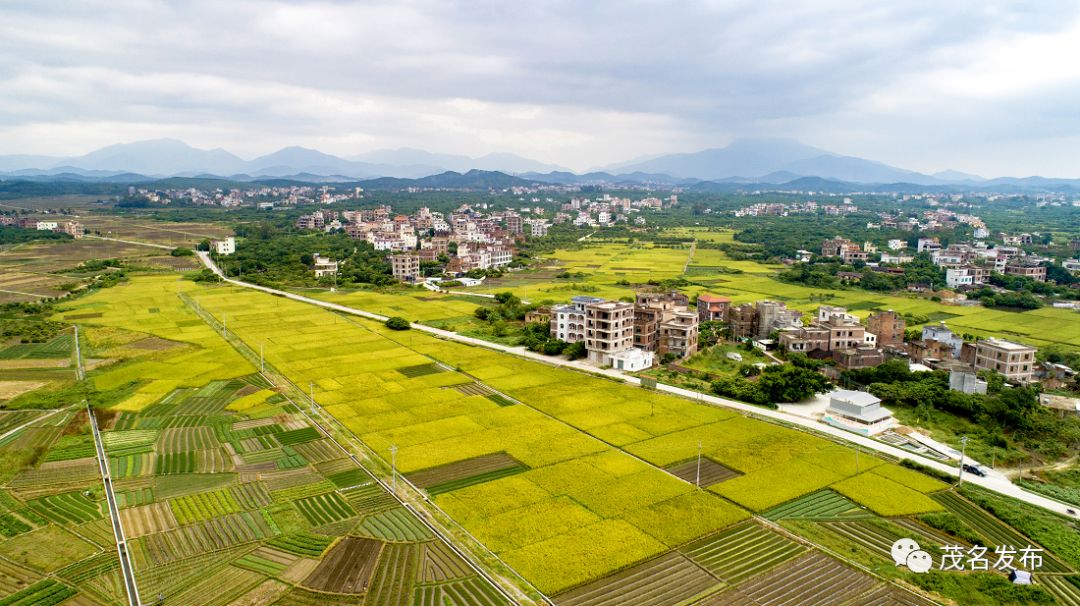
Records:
x=576, y=351
x=182, y=252
x=398, y=323
x=791, y=383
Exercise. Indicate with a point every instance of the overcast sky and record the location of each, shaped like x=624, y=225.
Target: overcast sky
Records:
x=984, y=86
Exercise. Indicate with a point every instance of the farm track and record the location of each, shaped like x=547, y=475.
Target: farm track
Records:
x=114, y=514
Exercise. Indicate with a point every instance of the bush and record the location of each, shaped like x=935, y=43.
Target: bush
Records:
x=397, y=323
x=182, y=252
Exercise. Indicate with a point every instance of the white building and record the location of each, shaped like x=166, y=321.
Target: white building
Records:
x=942, y=334
x=224, y=247
x=325, y=267
x=956, y=277
x=632, y=360
x=47, y=225
x=568, y=321
x=857, y=412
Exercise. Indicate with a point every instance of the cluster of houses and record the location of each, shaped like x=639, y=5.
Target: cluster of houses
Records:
x=467, y=239
x=609, y=210
x=623, y=335
x=966, y=264
x=263, y=197
x=71, y=228
x=810, y=207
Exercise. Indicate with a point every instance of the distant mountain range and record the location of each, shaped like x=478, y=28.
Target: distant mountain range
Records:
x=744, y=164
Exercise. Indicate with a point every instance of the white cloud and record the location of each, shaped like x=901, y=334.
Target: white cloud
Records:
x=579, y=84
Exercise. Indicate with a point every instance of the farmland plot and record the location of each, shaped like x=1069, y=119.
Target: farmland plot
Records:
x=813, y=579
x=665, y=581
x=742, y=551
x=347, y=568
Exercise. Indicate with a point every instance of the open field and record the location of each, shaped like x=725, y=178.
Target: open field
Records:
x=282, y=505
x=605, y=265
x=167, y=233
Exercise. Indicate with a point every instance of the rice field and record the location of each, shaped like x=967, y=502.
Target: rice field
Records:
x=574, y=493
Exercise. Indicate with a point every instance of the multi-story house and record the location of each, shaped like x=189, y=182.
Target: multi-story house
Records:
x=568, y=321
x=889, y=328
x=405, y=266
x=712, y=308
x=1015, y=361
x=609, y=330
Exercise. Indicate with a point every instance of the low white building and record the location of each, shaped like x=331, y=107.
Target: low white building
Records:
x=632, y=360
x=857, y=412
x=224, y=247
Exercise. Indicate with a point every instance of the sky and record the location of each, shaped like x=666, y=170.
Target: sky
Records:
x=982, y=86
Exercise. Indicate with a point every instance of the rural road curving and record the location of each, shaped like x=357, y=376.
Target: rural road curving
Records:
x=998, y=485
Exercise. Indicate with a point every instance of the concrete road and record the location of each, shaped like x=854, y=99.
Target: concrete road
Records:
x=996, y=484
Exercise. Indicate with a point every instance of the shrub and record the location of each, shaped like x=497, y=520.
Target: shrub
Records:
x=397, y=323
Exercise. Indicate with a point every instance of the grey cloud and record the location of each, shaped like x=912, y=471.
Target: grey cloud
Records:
x=686, y=74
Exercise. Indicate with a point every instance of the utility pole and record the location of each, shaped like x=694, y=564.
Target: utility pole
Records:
x=857, y=458
x=697, y=477
x=262, y=360
x=311, y=390
x=393, y=467
x=963, y=452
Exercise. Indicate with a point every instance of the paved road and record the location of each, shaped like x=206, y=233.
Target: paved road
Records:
x=114, y=514
x=998, y=485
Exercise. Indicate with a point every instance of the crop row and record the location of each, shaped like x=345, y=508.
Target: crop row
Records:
x=44, y=593
x=996, y=532
x=168, y=464
x=134, y=497
x=68, y=507
x=71, y=447
x=216, y=533
x=203, y=506
x=302, y=544
x=298, y=436
x=132, y=465
x=325, y=508
x=393, y=579
x=186, y=438
x=395, y=525
x=251, y=495
x=440, y=563
x=90, y=567
x=812, y=579
x=467, y=592
x=668, y=579
x=11, y=525
x=824, y=504
x=741, y=552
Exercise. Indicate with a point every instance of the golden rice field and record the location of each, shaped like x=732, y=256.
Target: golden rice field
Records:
x=151, y=304
x=592, y=500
